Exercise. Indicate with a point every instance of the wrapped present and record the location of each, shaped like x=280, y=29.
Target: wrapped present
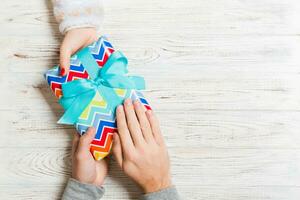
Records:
x=95, y=85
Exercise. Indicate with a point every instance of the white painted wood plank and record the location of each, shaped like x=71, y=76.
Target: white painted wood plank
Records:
x=250, y=168
x=207, y=129
x=206, y=90
x=230, y=116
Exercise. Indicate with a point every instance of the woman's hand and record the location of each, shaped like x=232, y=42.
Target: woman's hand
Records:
x=74, y=40
x=84, y=168
x=139, y=147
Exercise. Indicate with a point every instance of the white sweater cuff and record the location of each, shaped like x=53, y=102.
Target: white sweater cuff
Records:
x=72, y=14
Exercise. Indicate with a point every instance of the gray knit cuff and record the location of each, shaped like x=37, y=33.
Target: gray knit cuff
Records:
x=165, y=194
x=81, y=191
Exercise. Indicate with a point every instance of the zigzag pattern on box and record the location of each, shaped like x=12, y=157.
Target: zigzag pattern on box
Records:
x=138, y=95
x=103, y=139
x=98, y=115
x=101, y=50
x=104, y=121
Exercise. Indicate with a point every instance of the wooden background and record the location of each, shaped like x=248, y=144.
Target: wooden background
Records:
x=222, y=75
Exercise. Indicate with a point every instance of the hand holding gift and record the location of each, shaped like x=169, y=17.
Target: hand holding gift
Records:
x=74, y=40
x=85, y=168
x=139, y=147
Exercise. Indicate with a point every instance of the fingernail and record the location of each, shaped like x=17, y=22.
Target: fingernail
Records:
x=62, y=71
x=149, y=112
x=136, y=101
x=128, y=102
x=119, y=108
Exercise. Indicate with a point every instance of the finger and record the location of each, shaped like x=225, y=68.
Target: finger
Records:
x=132, y=123
x=75, y=143
x=155, y=127
x=143, y=120
x=117, y=150
x=124, y=135
x=85, y=141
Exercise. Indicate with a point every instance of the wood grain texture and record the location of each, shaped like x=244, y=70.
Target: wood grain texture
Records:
x=222, y=75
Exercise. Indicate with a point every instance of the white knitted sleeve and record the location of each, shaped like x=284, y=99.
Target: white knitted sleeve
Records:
x=78, y=14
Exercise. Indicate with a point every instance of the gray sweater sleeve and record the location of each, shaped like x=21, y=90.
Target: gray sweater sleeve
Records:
x=165, y=194
x=81, y=191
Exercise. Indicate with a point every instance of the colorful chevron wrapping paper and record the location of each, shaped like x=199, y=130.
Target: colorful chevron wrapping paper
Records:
x=97, y=113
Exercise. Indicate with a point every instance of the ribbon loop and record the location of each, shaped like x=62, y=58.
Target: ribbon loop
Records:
x=78, y=94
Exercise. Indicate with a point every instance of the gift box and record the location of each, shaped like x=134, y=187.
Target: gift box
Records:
x=95, y=85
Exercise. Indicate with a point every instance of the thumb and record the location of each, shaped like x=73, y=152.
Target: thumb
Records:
x=69, y=46
x=75, y=143
x=86, y=139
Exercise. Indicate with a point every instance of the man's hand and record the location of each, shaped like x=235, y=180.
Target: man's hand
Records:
x=84, y=168
x=74, y=40
x=139, y=147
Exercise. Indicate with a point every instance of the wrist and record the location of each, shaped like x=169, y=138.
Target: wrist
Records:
x=94, y=183
x=154, y=186
x=86, y=30
x=84, y=179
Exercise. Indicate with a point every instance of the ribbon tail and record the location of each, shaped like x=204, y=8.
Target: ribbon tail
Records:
x=138, y=81
x=124, y=82
x=78, y=105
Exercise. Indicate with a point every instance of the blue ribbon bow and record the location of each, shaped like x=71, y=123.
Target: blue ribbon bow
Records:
x=79, y=93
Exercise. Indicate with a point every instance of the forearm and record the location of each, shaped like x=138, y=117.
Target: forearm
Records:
x=80, y=191
x=78, y=14
x=165, y=194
